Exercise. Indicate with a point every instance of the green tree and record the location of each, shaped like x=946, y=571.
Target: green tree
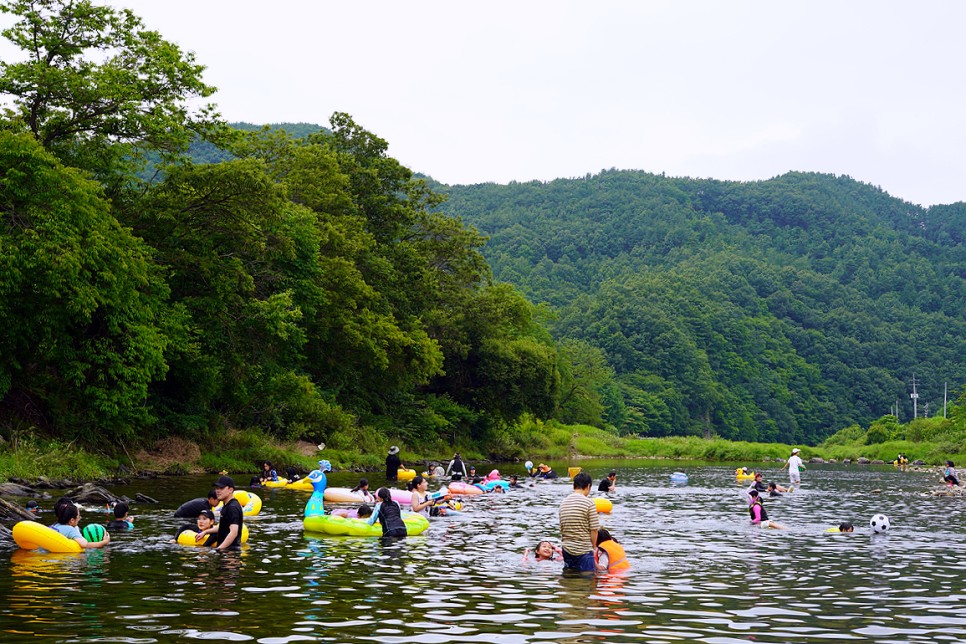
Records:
x=93, y=77
x=82, y=307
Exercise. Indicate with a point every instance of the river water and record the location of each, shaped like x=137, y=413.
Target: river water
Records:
x=700, y=571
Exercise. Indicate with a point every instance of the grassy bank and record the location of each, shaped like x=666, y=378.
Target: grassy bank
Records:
x=239, y=452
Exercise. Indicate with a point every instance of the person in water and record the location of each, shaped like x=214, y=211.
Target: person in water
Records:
x=421, y=501
x=607, y=483
x=205, y=521
x=68, y=522
x=362, y=489
x=949, y=474
x=456, y=469
x=192, y=508
x=268, y=473
x=393, y=464
x=545, y=551
x=610, y=553
x=774, y=489
x=513, y=481
x=758, y=483
x=389, y=515
x=758, y=514
x=122, y=519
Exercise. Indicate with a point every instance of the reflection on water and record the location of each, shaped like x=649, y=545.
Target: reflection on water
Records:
x=700, y=571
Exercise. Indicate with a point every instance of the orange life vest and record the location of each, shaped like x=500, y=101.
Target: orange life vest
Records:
x=616, y=557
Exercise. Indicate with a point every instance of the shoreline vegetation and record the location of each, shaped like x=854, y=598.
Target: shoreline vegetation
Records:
x=31, y=458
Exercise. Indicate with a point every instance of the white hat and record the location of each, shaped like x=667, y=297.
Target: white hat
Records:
x=796, y=451
x=393, y=450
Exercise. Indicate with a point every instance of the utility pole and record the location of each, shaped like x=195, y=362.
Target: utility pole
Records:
x=945, y=393
x=915, y=399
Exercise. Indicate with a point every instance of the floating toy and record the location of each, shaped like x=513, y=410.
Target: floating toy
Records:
x=405, y=475
x=303, y=485
x=459, y=487
x=488, y=486
x=679, y=478
x=31, y=535
x=345, y=495
x=251, y=503
x=603, y=505
x=279, y=483
x=880, y=523
x=93, y=532
x=187, y=537
x=319, y=481
x=342, y=526
x=742, y=474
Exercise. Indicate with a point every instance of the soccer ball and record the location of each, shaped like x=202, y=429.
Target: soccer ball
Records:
x=879, y=523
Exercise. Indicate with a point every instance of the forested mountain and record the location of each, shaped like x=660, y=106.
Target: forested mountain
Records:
x=773, y=310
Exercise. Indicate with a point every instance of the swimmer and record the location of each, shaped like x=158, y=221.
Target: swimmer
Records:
x=205, y=521
x=758, y=514
x=545, y=551
x=610, y=553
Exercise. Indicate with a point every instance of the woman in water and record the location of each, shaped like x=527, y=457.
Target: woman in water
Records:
x=758, y=514
x=421, y=501
x=363, y=491
x=389, y=515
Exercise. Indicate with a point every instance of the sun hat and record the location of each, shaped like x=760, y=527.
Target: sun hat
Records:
x=796, y=451
x=393, y=450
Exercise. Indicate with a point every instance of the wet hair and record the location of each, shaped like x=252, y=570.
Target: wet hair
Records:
x=582, y=480
x=846, y=527
x=33, y=505
x=120, y=510
x=207, y=513
x=383, y=494
x=612, y=474
x=212, y=495
x=604, y=535
x=59, y=504
x=264, y=463
x=417, y=480
x=67, y=512
x=773, y=486
x=753, y=493
x=362, y=483
x=364, y=510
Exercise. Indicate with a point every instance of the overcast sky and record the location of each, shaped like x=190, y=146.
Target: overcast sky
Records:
x=502, y=91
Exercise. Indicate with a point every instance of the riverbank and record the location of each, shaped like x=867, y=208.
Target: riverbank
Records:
x=239, y=453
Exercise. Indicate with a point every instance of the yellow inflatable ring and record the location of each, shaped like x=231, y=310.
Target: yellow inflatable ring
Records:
x=405, y=475
x=31, y=535
x=603, y=505
x=187, y=538
x=251, y=503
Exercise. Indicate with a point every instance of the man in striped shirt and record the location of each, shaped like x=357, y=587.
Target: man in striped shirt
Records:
x=578, y=526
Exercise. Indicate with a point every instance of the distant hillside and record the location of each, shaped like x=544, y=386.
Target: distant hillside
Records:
x=773, y=310
x=205, y=152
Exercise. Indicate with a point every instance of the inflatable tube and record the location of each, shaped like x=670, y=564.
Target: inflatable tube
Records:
x=342, y=526
x=487, y=486
x=603, y=505
x=402, y=497
x=279, y=483
x=459, y=487
x=187, y=538
x=303, y=484
x=741, y=475
x=251, y=503
x=679, y=478
x=31, y=535
x=405, y=475
x=343, y=495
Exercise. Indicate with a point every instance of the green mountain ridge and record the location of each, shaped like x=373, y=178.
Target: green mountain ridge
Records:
x=773, y=310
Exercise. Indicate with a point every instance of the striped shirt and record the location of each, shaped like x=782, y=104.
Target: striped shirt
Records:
x=578, y=516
